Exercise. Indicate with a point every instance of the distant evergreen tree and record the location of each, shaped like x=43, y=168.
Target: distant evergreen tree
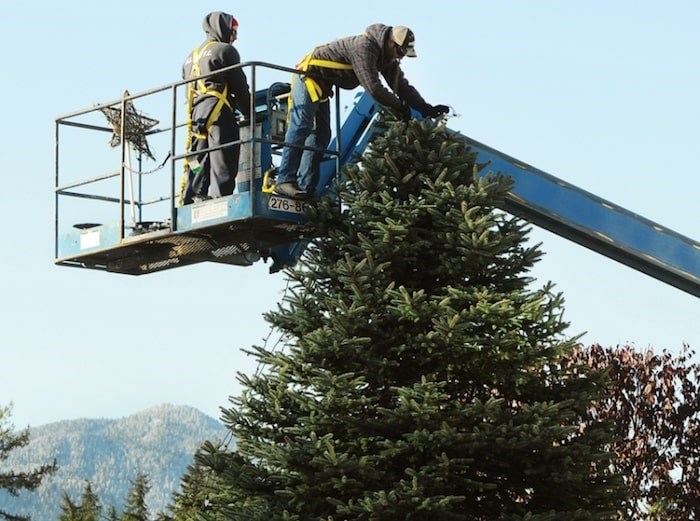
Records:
x=421, y=377
x=111, y=514
x=14, y=481
x=70, y=511
x=89, y=508
x=161, y=439
x=135, y=508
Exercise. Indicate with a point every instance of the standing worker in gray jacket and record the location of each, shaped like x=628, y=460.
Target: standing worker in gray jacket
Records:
x=212, y=103
x=347, y=63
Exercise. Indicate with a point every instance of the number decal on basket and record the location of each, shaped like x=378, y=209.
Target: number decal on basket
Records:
x=283, y=204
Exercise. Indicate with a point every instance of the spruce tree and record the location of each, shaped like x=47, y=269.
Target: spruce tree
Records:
x=111, y=514
x=88, y=509
x=90, y=506
x=201, y=486
x=14, y=481
x=70, y=511
x=420, y=376
x=135, y=508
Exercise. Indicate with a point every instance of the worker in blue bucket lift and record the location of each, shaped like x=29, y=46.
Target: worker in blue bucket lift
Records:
x=347, y=63
x=212, y=104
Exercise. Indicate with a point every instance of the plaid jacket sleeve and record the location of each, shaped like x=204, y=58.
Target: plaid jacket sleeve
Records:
x=365, y=65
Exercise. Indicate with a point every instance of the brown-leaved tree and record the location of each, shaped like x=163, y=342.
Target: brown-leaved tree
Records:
x=654, y=401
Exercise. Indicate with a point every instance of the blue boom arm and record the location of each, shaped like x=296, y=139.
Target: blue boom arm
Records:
x=552, y=204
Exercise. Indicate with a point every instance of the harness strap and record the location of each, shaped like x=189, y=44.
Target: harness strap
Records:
x=194, y=89
x=315, y=90
x=203, y=90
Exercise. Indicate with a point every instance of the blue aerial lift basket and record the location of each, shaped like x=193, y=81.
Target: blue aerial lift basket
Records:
x=254, y=224
x=238, y=229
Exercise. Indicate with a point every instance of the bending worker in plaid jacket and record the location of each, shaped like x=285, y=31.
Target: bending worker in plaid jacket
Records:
x=347, y=63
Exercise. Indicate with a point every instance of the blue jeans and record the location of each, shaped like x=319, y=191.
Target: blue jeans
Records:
x=309, y=125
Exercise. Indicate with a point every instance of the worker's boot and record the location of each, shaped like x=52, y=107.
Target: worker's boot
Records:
x=290, y=189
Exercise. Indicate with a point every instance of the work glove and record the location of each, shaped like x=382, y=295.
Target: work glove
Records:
x=433, y=111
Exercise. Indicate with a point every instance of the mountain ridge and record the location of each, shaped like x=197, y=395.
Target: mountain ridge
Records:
x=159, y=441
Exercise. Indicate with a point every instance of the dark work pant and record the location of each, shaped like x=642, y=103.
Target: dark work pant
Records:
x=219, y=167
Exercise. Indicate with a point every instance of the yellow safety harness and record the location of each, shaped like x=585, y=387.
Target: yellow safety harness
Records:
x=315, y=90
x=316, y=94
x=199, y=88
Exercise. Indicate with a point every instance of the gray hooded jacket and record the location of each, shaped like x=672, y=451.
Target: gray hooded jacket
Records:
x=220, y=55
x=369, y=57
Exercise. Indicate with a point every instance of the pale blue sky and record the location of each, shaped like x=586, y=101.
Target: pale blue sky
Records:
x=601, y=94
